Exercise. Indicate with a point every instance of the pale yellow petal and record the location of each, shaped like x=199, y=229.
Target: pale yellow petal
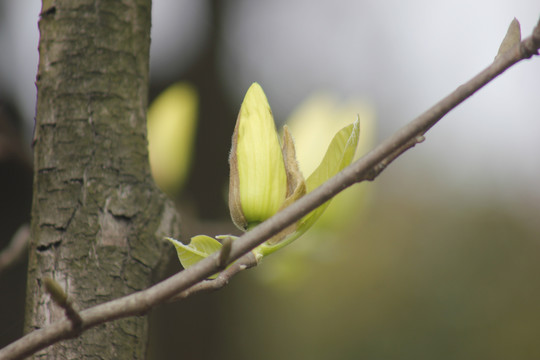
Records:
x=256, y=162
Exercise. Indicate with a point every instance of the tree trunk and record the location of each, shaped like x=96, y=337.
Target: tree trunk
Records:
x=97, y=218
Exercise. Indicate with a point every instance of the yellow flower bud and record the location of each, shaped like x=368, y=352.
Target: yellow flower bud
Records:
x=266, y=177
x=258, y=180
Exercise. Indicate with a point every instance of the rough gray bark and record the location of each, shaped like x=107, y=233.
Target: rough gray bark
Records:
x=97, y=218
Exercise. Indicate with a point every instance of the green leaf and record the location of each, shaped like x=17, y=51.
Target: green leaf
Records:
x=200, y=247
x=339, y=155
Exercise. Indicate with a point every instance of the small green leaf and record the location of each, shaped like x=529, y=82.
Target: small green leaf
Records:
x=339, y=155
x=200, y=247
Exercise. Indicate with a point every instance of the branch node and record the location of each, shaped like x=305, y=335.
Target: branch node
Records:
x=529, y=47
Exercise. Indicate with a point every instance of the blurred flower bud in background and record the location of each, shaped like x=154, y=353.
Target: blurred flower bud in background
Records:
x=171, y=125
x=313, y=124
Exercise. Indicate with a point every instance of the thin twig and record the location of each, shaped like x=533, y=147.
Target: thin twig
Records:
x=225, y=251
x=16, y=248
x=379, y=168
x=245, y=262
x=61, y=299
x=369, y=166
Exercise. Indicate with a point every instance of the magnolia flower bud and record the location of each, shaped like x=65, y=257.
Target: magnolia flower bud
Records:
x=266, y=178
x=258, y=180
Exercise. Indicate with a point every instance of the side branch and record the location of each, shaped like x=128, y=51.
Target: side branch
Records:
x=61, y=299
x=245, y=262
x=192, y=279
x=16, y=248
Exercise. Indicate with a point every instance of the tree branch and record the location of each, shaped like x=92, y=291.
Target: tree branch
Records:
x=16, y=248
x=245, y=262
x=184, y=283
